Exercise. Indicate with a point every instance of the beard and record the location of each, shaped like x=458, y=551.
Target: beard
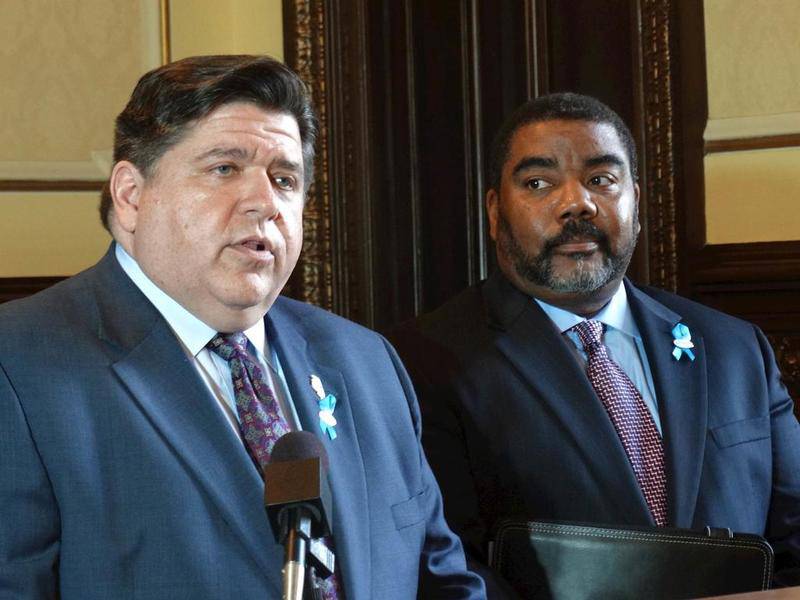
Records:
x=585, y=277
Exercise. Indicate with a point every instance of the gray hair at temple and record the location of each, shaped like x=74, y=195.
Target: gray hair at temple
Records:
x=168, y=100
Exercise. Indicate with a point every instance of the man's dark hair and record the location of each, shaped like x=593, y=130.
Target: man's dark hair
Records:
x=167, y=100
x=562, y=106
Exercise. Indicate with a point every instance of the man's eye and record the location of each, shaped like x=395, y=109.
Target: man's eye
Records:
x=285, y=183
x=224, y=170
x=538, y=184
x=601, y=180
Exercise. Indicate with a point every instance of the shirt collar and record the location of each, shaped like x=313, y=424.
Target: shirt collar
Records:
x=616, y=314
x=192, y=332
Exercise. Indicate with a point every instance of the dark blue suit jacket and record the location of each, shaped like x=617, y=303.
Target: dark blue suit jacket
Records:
x=512, y=426
x=120, y=478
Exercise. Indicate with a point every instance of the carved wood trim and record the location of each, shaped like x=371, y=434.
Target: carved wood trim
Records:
x=325, y=43
x=304, y=49
x=42, y=185
x=787, y=353
x=348, y=144
x=658, y=151
x=753, y=143
x=750, y=262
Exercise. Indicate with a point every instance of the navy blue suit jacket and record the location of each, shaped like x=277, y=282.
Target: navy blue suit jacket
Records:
x=512, y=426
x=120, y=477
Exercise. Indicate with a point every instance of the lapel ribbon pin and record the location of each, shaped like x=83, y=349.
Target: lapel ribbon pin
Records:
x=683, y=342
x=327, y=403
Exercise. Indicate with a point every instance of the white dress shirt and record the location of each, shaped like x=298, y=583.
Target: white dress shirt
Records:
x=621, y=338
x=193, y=335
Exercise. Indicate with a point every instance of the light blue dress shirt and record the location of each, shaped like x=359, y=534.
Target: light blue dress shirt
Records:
x=193, y=335
x=621, y=337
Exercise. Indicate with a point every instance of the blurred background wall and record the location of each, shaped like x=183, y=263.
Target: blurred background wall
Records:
x=68, y=69
x=410, y=93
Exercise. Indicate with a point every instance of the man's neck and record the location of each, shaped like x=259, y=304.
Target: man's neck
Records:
x=584, y=304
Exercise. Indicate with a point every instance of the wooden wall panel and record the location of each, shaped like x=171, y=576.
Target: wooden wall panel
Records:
x=431, y=84
x=411, y=93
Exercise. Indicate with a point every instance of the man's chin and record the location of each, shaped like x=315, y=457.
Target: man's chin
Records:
x=565, y=263
x=582, y=278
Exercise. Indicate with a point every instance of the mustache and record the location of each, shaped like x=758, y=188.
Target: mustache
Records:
x=575, y=230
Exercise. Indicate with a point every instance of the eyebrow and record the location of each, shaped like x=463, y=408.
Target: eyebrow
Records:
x=534, y=161
x=289, y=165
x=605, y=159
x=235, y=152
x=241, y=154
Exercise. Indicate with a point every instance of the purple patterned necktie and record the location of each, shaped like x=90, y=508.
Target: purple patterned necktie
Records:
x=260, y=417
x=634, y=424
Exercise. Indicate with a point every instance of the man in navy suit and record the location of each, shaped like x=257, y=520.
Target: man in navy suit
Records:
x=127, y=469
x=512, y=423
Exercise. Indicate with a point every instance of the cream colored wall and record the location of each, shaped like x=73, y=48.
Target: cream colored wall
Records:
x=49, y=233
x=753, y=57
x=61, y=93
x=226, y=27
x=752, y=196
x=753, y=72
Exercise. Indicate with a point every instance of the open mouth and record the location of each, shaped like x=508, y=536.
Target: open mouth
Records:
x=254, y=245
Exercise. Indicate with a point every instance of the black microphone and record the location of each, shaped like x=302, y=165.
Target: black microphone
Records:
x=298, y=501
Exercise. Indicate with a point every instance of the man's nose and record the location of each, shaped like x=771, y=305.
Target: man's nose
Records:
x=259, y=195
x=576, y=202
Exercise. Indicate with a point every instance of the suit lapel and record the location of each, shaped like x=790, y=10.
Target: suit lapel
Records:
x=165, y=385
x=300, y=358
x=681, y=389
x=539, y=353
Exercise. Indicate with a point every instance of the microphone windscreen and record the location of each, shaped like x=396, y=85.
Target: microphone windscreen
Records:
x=299, y=445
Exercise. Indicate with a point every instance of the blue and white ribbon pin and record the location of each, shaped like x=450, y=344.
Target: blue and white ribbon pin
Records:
x=327, y=404
x=683, y=342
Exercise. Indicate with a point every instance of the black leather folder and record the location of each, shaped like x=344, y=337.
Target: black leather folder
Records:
x=571, y=561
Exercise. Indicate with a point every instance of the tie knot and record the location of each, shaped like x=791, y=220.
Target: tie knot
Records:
x=590, y=334
x=229, y=345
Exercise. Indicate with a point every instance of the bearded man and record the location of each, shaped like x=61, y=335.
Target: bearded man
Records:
x=557, y=389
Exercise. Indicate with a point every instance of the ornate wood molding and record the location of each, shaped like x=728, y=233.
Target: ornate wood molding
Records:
x=659, y=152
x=787, y=353
x=304, y=34
x=324, y=43
x=44, y=185
x=786, y=140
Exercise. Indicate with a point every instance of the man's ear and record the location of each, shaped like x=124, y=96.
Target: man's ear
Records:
x=126, y=186
x=636, y=200
x=492, y=209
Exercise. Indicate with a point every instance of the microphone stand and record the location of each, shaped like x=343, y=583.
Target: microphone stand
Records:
x=297, y=499
x=296, y=549
x=305, y=556
x=322, y=561
x=313, y=591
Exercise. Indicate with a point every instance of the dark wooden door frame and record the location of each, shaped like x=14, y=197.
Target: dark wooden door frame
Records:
x=326, y=42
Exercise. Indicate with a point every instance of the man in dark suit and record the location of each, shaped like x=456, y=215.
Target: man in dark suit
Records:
x=140, y=400
x=520, y=414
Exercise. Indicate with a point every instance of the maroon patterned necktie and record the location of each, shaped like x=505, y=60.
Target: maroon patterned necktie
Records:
x=634, y=424
x=261, y=419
